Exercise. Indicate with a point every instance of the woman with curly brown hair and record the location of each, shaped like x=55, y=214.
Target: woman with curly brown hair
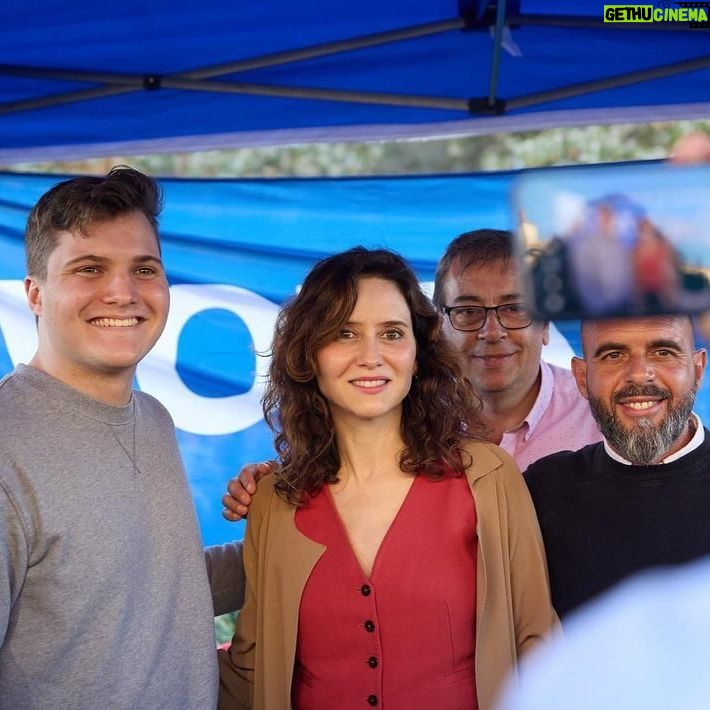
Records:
x=394, y=558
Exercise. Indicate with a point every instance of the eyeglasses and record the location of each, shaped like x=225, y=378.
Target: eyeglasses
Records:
x=511, y=316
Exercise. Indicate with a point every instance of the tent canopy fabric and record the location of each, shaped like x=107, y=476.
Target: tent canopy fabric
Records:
x=87, y=78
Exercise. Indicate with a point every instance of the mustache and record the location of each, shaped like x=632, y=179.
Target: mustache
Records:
x=632, y=390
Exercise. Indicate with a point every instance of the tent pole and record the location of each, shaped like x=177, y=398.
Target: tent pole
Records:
x=116, y=83
x=127, y=82
x=135, y=81
x=124, y=83
x=69, y=97
x=299, y=92
x=390, y=99
x=497, y=43
x=329, y=48
x=614, y=82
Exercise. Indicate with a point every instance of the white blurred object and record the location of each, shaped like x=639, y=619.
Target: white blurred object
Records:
x=568, y=209
x=507, y=42
x=558, y=351
x=642, y=645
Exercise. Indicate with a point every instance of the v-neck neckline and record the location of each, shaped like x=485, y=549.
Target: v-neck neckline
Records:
x=342, y=531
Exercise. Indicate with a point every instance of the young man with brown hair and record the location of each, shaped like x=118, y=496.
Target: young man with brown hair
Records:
x=104, y=599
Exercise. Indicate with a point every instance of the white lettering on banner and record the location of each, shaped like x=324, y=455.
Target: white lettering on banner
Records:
x=157, y=375
x=17, y=322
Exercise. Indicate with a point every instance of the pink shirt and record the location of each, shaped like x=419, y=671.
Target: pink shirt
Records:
x=405, y=636
x=559, y=420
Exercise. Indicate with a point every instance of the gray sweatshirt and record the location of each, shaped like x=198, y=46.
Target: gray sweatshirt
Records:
x=104, y=600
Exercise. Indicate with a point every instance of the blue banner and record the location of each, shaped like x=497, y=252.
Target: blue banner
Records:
x=234, y=251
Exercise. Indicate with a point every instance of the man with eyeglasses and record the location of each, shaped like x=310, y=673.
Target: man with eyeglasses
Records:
x=532, y=408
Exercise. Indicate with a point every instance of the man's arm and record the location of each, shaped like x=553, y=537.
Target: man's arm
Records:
x=225, y=563
x=240, y=489
x=225, y=571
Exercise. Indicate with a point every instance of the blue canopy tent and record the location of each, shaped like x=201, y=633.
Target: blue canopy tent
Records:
x=87, y=78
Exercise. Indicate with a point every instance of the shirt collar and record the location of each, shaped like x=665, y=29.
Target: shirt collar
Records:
x=542, y=401
x=697, y=439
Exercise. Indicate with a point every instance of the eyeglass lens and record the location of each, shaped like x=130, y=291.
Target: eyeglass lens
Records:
x=512, y=315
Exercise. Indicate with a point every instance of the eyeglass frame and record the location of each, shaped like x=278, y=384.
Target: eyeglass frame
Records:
x=447, y=310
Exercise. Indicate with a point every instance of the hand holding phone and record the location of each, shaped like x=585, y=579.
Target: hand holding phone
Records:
x=615, y=240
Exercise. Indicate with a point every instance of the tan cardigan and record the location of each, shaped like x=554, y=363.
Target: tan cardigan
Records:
x=514, y=610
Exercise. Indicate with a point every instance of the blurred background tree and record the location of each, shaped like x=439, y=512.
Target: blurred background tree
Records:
x=504, y=151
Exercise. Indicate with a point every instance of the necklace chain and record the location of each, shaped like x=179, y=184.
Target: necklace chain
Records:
x=132, y=458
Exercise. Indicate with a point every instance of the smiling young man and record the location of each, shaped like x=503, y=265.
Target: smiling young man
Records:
x=640, y=498
x=104, y=600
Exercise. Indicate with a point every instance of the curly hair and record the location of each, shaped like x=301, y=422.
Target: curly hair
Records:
x=438, y=414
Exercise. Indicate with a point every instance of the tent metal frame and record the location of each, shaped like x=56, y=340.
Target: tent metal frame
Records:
x=206, y=79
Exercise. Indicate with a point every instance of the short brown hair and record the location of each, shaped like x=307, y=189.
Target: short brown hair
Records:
x=73, y=205
x=481, y=246
x=438, y=413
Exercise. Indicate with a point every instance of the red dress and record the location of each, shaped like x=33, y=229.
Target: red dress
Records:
x=404, y=638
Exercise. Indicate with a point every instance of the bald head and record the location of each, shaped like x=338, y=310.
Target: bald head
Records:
x=595, y=331
x=640, y=376
x=691, y=149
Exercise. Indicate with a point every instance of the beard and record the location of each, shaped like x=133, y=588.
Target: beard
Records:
x=644, y=443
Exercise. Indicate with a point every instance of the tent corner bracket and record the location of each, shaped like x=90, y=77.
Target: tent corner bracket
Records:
x=152, y=82
x=477, y=106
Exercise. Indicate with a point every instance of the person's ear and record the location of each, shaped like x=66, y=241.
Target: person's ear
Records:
x=33, y=292
x=700, y=360
x=579, y=370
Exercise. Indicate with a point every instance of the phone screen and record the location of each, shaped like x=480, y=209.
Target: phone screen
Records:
x=614, y=240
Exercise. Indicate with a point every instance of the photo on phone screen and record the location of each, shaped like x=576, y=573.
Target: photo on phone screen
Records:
x=614, y=240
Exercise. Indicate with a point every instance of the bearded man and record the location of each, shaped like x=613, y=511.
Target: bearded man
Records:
x=640, y=498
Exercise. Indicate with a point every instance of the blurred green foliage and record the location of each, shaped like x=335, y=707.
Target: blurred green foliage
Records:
x=503, y=151
x=224, y=627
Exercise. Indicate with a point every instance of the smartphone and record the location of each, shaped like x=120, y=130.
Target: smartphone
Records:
x=614, y=240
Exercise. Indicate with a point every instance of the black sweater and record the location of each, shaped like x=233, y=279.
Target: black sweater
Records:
x=602, y=520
